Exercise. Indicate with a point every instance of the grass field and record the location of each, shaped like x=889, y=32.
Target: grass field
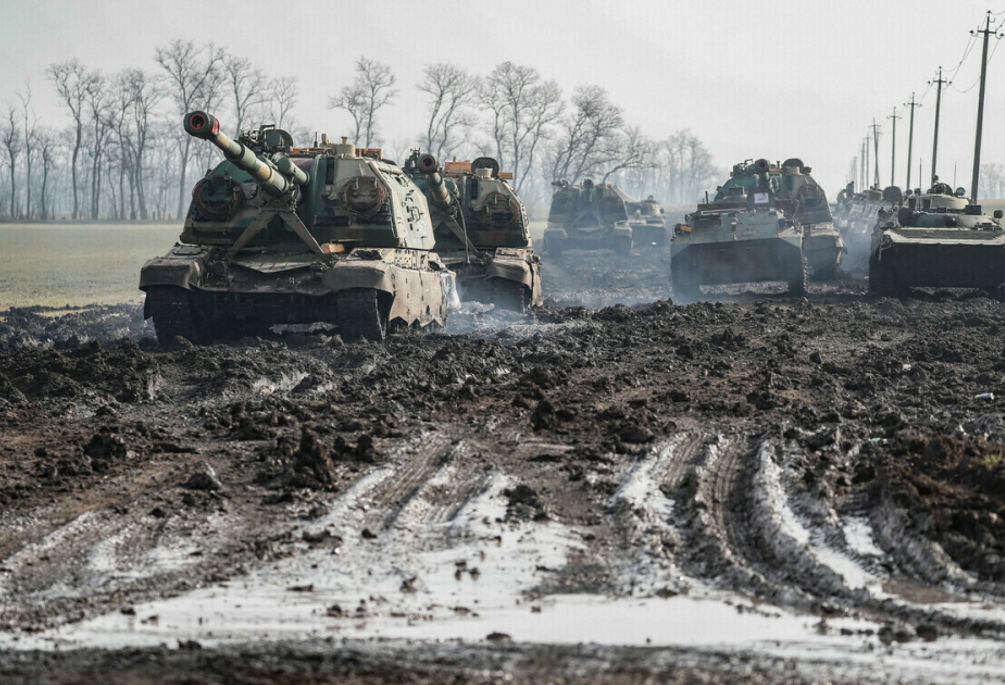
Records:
x=74, y=264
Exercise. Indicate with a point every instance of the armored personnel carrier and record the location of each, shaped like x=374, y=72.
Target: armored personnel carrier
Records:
x=588, y=217
x=649, y=226
x=481, y=230
x=938, y=240
x=282, y=235
x=743, y=236
x=799, y=195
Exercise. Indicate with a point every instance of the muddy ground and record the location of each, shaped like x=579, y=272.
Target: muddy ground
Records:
x=419, y=510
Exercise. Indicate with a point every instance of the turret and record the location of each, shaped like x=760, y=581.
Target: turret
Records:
x=277, y=177
x=428, y=165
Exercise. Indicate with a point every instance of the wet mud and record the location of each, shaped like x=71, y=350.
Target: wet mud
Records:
x=818, y=483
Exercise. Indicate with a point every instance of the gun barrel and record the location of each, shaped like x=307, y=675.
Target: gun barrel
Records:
x=429, y=166
x=272, y=177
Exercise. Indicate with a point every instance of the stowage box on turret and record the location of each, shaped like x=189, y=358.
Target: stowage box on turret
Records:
x=283, y=235
x=481, y=230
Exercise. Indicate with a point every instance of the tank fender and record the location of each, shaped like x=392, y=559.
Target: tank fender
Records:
x=418, y=295
x=182, y=267
x=510, y=268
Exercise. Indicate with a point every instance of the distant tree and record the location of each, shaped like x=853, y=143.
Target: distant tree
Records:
x=283, y=96
x=522, y=107
x=630, y=150
x=98, y=104
x=372, y=88
x=47, y=144
x=10, y=138
x=451, y=90
x=588, y=139
x=30, y=123
x=72, y=81
x=245, y=88
x=194, y=81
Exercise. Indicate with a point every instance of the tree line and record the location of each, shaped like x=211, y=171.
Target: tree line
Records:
x=124, y=157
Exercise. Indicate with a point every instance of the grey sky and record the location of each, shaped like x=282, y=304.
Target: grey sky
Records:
x=775, y=79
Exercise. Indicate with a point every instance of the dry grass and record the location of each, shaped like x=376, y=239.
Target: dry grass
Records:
x=75, y=264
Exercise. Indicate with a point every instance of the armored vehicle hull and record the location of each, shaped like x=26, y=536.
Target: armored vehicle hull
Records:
x=945, y=248
x=283, y=235
x=481, y=230
x=800, y=197
x=720, y=245
x=588, y=217
x=649, y=226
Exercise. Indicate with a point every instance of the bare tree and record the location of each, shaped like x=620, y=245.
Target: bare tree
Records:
x=193, y=76
x=47, y=149
x=98, y=104
x=30, y=123
x=284, y=93
x=633, y=150
x=136, y=95
x=72, y=81
x=12, y=145
x=245, y=87
x=522, y=108
x=372, y=89
x=589, y=137
x=452, y=90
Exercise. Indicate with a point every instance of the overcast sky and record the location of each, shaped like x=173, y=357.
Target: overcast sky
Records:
x=776, y=79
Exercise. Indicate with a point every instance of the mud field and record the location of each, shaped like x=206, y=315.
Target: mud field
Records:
x=617, y=489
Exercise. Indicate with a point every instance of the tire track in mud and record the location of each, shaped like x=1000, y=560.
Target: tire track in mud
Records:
x=744, y=527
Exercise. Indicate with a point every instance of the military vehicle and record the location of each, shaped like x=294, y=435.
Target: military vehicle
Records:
x=649, y=226
x=481, y=230
x=800, y=196
x=938, y=240
x=282, y=235
x=743, y=236
x=857, y=217
x=588, y=217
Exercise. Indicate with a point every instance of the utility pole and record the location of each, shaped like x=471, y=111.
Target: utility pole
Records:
x=893, y=143
x=980, y=105
x=865, y=174
x=875, y=139
x=938, y=105
x=863, y=164
x=910, y=137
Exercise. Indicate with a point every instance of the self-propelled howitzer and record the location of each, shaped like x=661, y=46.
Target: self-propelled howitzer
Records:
x=481, y=230
x=278, y=234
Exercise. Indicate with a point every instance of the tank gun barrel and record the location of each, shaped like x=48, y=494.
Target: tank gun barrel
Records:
x=428, y=165
x=277, y=178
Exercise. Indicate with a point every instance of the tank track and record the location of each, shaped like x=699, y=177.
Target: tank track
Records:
x=797, y=283
x=171, y=311
x=360, y=315
x=509, y=295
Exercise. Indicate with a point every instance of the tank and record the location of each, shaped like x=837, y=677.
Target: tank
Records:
x=588, y=217
x=938, y=240
x=277, y=234
x=481, y=230
x=803, y=198
x=743, y=236
x=649, y=226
